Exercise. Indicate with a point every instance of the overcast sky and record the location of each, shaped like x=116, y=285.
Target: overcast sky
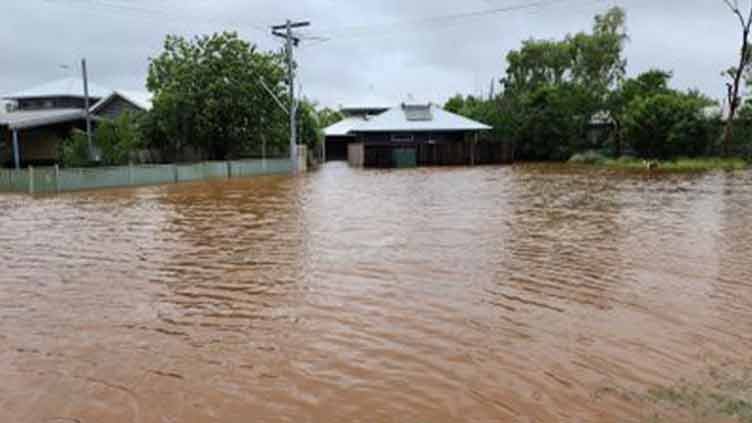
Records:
x=358, y=52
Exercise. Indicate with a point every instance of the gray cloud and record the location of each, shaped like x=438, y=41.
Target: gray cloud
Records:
x=377, y=52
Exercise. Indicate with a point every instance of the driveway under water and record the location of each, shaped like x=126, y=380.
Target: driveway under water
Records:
x=429, y=295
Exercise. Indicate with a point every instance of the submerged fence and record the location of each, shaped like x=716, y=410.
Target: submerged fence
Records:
x=53, y=179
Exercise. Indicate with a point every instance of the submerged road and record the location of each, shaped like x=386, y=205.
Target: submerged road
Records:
x=526, y=293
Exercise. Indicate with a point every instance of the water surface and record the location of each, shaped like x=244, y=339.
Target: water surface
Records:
x=429, y=295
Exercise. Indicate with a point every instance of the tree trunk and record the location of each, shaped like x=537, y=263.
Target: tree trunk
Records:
x=733, y=91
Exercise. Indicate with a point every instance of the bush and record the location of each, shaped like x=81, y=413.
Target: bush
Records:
x=669, y=125
x=589, y=157
x=75, y=150
x=117, y=139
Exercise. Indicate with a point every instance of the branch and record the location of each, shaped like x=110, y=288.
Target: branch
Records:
x=734, y=8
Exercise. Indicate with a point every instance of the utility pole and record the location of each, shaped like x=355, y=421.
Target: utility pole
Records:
x=291, y=42
x=87, y=106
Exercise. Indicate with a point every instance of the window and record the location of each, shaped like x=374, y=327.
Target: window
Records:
x=402, y=138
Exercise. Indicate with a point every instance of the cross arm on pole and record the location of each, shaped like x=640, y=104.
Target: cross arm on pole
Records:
x=292, y=25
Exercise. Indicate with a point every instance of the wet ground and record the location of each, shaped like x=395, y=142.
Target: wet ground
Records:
x=528, y=293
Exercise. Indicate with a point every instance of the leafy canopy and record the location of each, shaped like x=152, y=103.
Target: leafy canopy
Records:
x=208, y=94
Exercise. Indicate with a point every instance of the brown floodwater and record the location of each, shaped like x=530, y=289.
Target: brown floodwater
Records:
x=523, y=293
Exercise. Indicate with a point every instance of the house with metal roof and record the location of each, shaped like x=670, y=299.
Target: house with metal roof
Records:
x=409, y=135
x=43, y=116
x=340, y=135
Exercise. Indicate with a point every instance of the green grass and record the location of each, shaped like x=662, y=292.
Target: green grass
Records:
x=678, y=165
x=700, y=403
x=722, y=394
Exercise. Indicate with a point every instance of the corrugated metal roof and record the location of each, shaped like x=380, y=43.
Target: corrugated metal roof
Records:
x=138, y=99
x=31, y=119
x=343, y=127
x=418, y=112
x=67, y=87
x=396, y=120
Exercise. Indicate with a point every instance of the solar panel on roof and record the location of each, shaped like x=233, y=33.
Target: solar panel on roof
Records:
x=418, y=113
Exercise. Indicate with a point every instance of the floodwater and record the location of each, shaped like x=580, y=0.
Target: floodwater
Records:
x=523, y=293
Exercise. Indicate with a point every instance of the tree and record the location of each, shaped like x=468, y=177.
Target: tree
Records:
x=117, y=139
x=562, y=83
x=74, y=151
x=455, y=104
x=735, y=74
x=668, y=125
x=646, y=84
x=311, y=131
x=209, y=95
x=328, y=117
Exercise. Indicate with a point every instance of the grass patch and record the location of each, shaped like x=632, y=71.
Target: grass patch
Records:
x=678, y=165
x=589, y=157
x=701, y=403
x=721, y=395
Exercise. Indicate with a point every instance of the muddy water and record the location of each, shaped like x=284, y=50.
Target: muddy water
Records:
x=527, y=293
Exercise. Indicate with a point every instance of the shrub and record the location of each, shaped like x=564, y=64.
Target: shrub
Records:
x=74, y=151
x=117, y=139
x=668, y=125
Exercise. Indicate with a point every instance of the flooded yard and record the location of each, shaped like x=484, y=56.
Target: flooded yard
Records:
x=526, y=293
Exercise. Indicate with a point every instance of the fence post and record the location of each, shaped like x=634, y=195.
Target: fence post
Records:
x=57, y=178
x=229, y=169
x=175, y=172
x=130, y=173
x=31, y=180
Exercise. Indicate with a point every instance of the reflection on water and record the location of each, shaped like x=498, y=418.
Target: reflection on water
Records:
x=439, y=295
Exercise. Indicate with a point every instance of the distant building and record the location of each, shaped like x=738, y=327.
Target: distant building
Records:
x=340, y=135
x=43, y=116
x=409, y=135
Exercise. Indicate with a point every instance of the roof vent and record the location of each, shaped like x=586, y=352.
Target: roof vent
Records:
x=418, y=112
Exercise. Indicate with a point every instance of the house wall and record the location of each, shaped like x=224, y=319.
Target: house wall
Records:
x=38, y=146
x=417, y=137
x=379, y=150
x=6, y=147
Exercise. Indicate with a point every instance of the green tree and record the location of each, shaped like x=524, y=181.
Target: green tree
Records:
x=74, y=151
x=208, y=94
x=455, y=104
x=668, y=125
x=328, y=117
x=563, y=84
x=311, y=131
x=117, y=139
x=646, y=84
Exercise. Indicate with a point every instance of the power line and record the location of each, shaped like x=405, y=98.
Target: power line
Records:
x=98, y=6
x=445, y=18
x=446, y=21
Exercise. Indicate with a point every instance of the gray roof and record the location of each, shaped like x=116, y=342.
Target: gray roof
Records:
x=31, y=119
x=138, y=99
x=343, y=127
x=403, y=119
x=67, y=87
